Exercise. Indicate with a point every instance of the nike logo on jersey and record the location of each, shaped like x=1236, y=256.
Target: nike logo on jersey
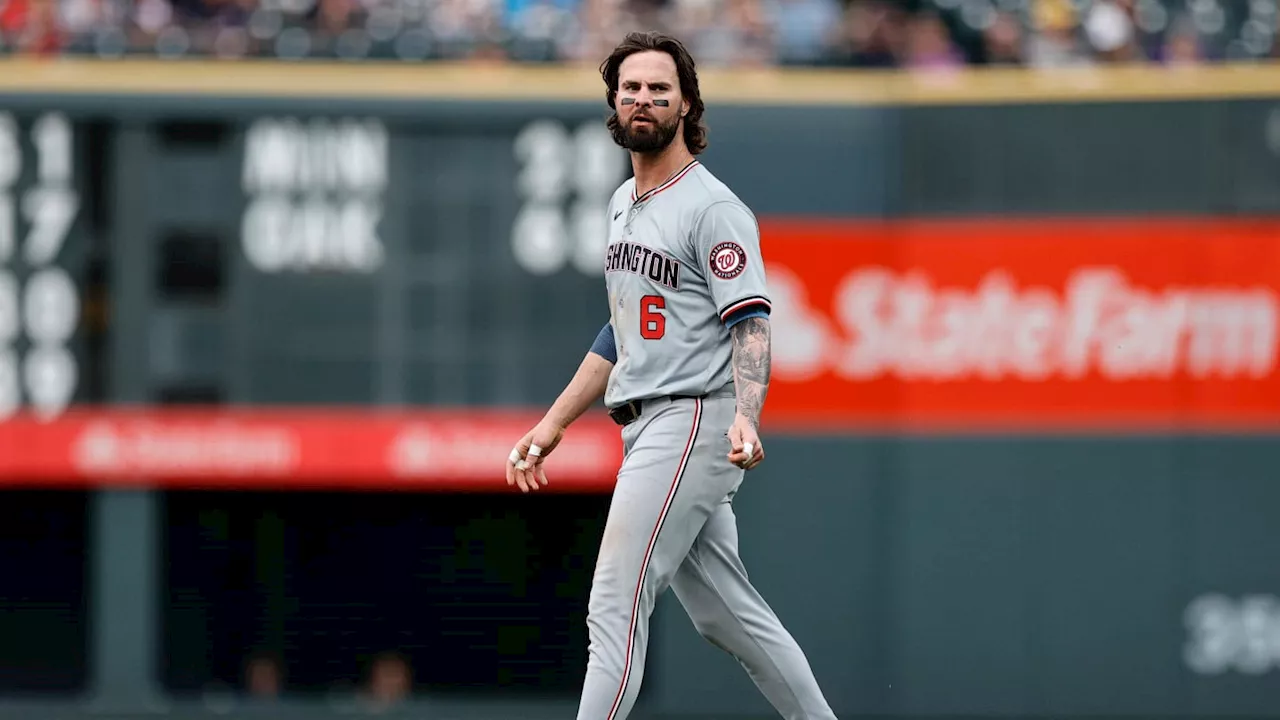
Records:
x=640, y=260
x=617, y=215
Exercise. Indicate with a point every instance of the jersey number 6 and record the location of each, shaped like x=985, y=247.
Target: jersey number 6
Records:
x=653, y=324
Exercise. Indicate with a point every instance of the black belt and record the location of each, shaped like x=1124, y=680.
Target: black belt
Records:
x=629, y=412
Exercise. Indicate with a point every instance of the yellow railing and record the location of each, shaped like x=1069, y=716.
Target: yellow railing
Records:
x=376, y=80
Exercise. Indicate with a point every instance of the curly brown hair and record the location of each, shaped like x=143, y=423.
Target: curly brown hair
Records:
x=695, y=130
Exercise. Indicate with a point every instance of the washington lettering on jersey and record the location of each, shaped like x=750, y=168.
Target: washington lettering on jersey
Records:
x=640, y=260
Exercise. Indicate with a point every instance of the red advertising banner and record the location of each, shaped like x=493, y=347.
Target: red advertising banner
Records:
x=1099, y=324
x=296, y=449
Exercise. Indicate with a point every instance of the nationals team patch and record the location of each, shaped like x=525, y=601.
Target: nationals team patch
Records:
x=728, y=260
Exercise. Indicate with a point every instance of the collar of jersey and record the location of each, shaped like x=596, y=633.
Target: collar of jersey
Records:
x=672, y=180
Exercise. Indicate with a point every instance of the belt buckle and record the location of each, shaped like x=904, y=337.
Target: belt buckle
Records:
x=626, y=413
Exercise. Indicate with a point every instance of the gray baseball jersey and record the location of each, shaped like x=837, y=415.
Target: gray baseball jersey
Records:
x=680, y=259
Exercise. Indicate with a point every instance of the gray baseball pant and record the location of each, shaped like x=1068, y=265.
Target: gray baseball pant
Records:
x=671, y=523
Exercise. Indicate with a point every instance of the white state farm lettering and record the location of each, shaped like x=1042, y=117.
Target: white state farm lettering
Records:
x=315, y=193
x=899, y=324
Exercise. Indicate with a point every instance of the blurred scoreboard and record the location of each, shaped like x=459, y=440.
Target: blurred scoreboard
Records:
x=44, y=260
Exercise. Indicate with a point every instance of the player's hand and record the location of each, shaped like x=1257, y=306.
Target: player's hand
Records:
x=746, y=451
x=524, y=464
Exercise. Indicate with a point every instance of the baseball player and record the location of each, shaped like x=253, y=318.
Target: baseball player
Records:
x=683, y=366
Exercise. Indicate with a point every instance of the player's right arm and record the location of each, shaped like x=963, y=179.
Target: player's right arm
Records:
x=589, y=382
x=584, y=390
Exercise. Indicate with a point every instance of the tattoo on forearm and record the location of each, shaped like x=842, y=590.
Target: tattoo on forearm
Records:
x=751, y=360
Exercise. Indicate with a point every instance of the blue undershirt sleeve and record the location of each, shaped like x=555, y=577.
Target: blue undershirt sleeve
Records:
x=604, y=345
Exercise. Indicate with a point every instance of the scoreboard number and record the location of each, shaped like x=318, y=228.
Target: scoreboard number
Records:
x=539, y=234
x=50, y=212
x=564, y=183
x=50, y=307
x=543, y=149
x=1226, y=634
x=51, y=135
x=49, y=375
x=39, y=302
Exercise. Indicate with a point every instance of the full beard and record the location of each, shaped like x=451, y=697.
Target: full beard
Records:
x=655, y=137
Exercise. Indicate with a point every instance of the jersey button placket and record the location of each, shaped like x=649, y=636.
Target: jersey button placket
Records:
x=631, y=215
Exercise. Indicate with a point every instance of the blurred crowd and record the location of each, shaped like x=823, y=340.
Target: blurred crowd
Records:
x=840, y=33
x=386, y=683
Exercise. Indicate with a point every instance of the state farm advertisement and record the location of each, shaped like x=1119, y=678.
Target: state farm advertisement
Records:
x=1025, y=324
x=281, y=448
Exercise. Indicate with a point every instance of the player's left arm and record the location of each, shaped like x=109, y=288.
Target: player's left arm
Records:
x=752, y=348
x=727, y=239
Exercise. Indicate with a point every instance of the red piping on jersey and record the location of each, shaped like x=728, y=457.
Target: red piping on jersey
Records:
x=651, y=193
x=744, y=304
x=648, y=556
